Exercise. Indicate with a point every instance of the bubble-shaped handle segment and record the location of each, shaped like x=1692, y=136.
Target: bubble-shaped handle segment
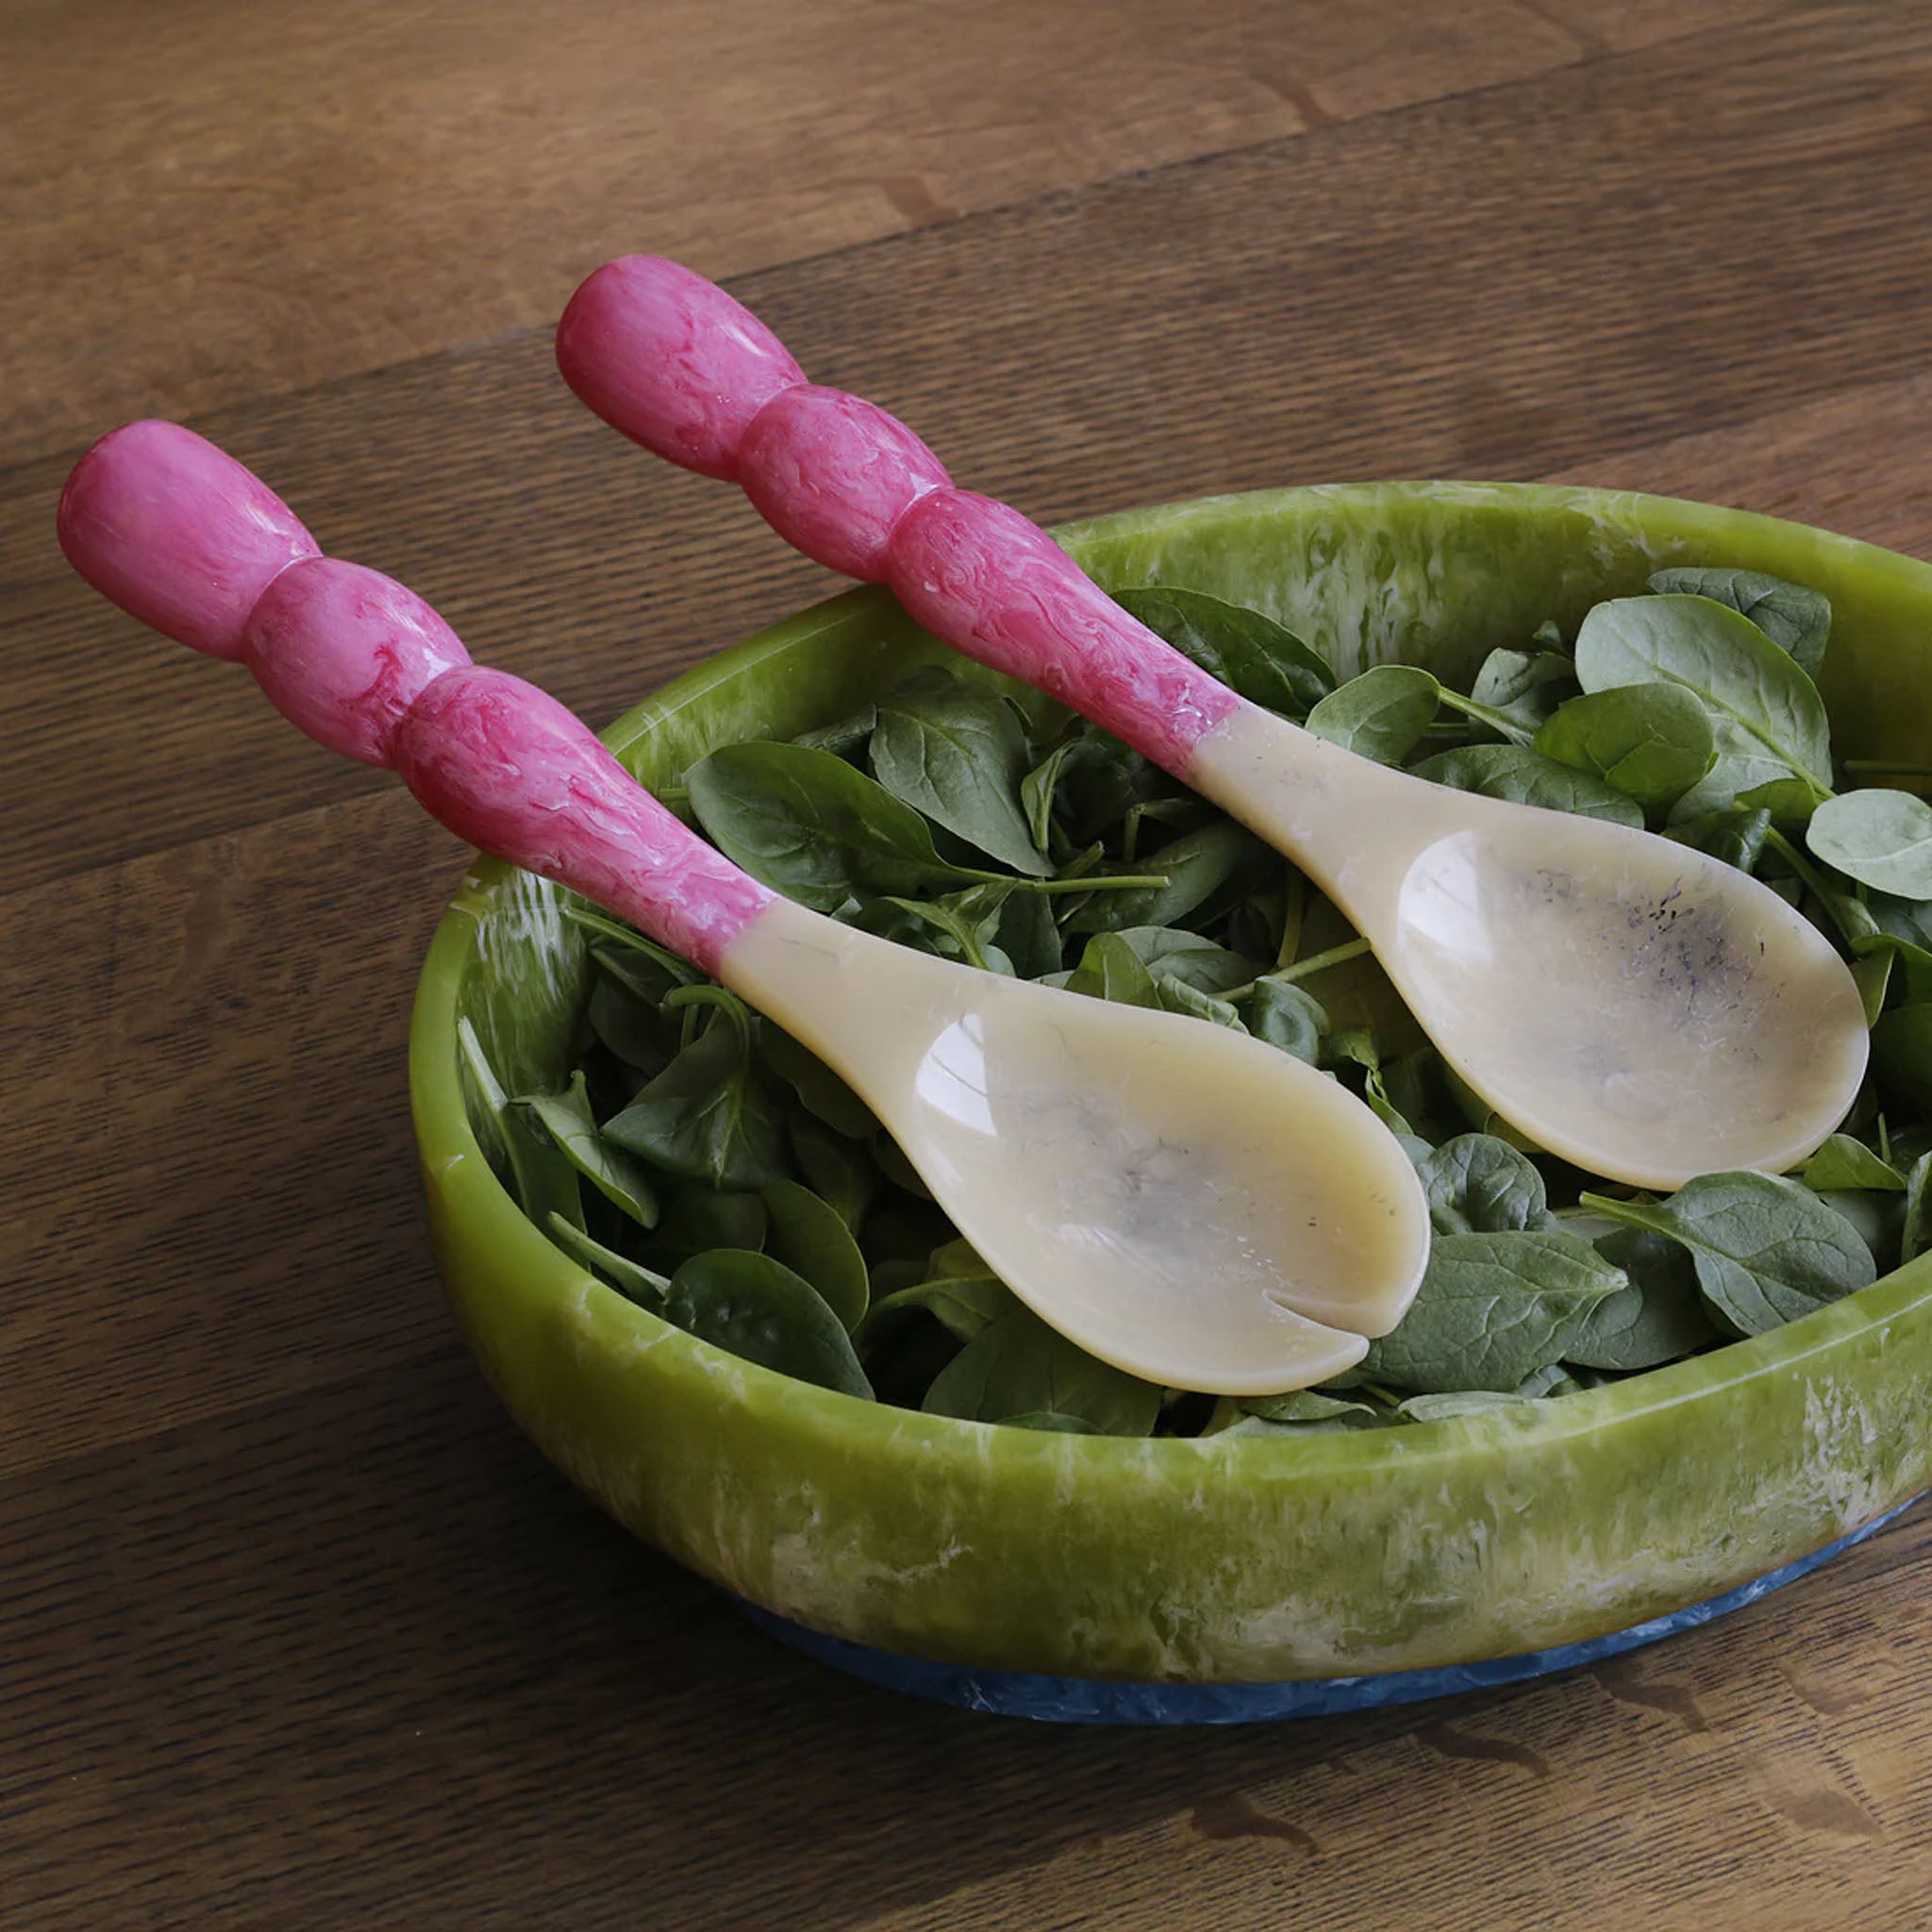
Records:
x=676, y=364
x=178, y=534
x=671, y=361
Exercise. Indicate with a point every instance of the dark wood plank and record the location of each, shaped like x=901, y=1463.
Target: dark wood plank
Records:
x=211, y=201
x=359, y=1657
x=208, y=1130
x=1484, y=286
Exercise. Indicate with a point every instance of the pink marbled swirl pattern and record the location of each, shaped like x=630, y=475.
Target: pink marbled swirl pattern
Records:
x=977, y=573
x=833, y=474
x=182, y=537
x=504, y=765
x=133, y=523
x=640, y=320
x=671, y=361
x=344, y=652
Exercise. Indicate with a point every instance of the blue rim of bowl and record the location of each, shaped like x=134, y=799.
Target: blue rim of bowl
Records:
x=1103, y=1701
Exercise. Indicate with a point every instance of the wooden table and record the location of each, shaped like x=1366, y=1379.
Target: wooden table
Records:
x=294, y=1630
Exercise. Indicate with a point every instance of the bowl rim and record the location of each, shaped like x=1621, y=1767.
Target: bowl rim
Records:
x=448, y=1145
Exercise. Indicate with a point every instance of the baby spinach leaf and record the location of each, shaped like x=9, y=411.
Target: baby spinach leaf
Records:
x=484, y=1099
x=1766, y=1249
x=1176, y=814
x=1245, y=649
x=807, y=824
x=1459, y=1402
x=1905, y=924
x=811, y=1237
x=1658, y=1318
x=1492, y=1309
x=839, y=1171
x=1878, y=1217
x=961, y=935
x=1525, y=687
x=1881, y=839
x=648, y=969
x=1178, y=996
x=1110, y=969
x=1357, y=1045
x=543, y=1177
x=1526, y=776
x=1901, y=1057
x=631, y=1279
x=959, y=1290
x=1088, y=781
x=1651, y=741
x=820, y=1089
x=754, y=1306
x=1772, y=742
x=1734, y=838
x=1795, y=619
x=845, y=738
x=638, y=975
x=707, y=1117
x=1027, y=933
x=1871, y=976
x=958, y=756
x=1477, y=1184
x=1174, y=953
x=628, y=1027
x=1287, y=1016
x=1916, y=1235
x=1380, y=715
x=1195, y=866
x=1844, y=1162
x=964, y=1307
x=620, y=1177
x=700, y=1217
x=1052, y=1424
x=1037, y=791
x=1555, y=1379
x=1312, y=1406
x=1503, y=724
x=1413, y=1085
x=1239, y=1424
x=1019, y=1366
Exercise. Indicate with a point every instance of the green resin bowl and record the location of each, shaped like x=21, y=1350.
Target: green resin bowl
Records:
x=1213, y=1561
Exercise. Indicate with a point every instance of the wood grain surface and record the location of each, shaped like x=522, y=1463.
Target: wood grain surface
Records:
x=294, y=1630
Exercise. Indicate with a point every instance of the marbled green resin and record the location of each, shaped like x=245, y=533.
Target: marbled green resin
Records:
x=1215, y=1559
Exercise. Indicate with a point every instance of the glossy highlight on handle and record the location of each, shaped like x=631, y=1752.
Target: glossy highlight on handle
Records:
x=675, y=363
x=182, y=535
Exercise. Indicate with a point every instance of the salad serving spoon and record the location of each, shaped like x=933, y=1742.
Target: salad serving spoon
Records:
x=1190, y=1204
x=1645, y=1010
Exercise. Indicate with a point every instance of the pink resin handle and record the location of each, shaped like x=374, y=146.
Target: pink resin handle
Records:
x=675, y=363
x=179, y=534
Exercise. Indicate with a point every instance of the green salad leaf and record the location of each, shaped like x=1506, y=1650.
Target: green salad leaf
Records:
x=1380, y=715
x=1248, y=650
x=1766, y=1249
x=1772, y=742
x=1795, y=619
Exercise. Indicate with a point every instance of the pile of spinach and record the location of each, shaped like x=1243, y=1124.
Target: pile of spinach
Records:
x=706, y=1164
